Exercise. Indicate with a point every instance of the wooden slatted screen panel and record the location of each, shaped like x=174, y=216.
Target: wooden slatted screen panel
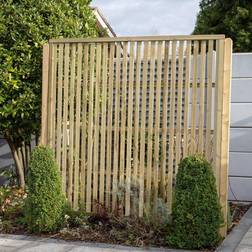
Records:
x=121, y=113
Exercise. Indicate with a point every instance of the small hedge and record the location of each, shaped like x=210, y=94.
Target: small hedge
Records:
x=45, y=202
x=196, y=210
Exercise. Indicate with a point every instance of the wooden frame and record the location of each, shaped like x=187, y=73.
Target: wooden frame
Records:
x=129, y=110
x=142, y=38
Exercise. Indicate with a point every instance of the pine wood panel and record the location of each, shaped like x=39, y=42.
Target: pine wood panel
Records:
x=120, y=114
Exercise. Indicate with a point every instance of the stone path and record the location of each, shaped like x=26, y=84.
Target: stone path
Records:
x=246, y=242
x=20, y=243
x=240, y=239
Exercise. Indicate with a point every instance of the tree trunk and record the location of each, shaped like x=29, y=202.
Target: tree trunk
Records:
x=19, y=163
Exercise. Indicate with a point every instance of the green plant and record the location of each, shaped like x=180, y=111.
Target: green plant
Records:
x=11, y=209
x=45, y=204
x=74, y=219
x=159, y=218
x=24, y=27
x=11, y=202
x=230, y=17
x=196, y=211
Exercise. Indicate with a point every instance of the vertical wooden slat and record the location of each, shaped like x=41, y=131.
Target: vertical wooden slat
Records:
x=136, y=115
x=202, y=96
x=187, y=93
x=142, y=166
x=129, y=129
x=96, y=122
x=77, y=128
x=65, y=117
x=116, y=125
x=51, y=111
x=150, y=126
x=157, y=124
x=103, y=120
x=208, y=145
x=164, y=120
x=179, y=105
x=218, y=112
x=225, y=125
x=54, y=91
x=71, y=123
x=109, y=131
x=171, y=126
x=136, y=133
x=84, y=126
x=90, y=128
x=59, y=107
x=44, y=107
x=194, y=97
x=123, y=114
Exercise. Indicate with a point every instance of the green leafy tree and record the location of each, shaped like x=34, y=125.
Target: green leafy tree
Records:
x=196, y=210
x=25, y=25
x=45, y=203
x=230, y=17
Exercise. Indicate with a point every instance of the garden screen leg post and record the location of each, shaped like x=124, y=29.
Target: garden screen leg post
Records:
x=225, y=129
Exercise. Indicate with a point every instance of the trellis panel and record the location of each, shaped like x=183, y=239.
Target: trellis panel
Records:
x=120, y=114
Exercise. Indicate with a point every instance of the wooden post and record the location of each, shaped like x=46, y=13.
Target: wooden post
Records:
x=225, y=130
x=45, y=73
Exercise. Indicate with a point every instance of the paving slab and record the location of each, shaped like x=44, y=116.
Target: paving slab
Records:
x=246, y=242
x=240, y=238
x=21, y=243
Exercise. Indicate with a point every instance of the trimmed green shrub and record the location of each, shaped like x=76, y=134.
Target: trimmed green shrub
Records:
x=196, y=210
x=45, y=203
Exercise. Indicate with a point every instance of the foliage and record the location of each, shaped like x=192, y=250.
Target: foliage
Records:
x=44, y=207
x=24, y=27
x=11, y=202
x=73, y=218
x=104, y=226
x=156, y=215
x=160, y=218
x=196, y=210
x=11, y=209
x=123, y=230
x=230, y=17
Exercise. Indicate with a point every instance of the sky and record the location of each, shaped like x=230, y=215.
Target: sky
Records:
x=149, y=17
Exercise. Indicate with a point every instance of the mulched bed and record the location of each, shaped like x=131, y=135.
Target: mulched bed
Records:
x=127, y=231
x=237, y=210
x=103, y=228
x=123, y=231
